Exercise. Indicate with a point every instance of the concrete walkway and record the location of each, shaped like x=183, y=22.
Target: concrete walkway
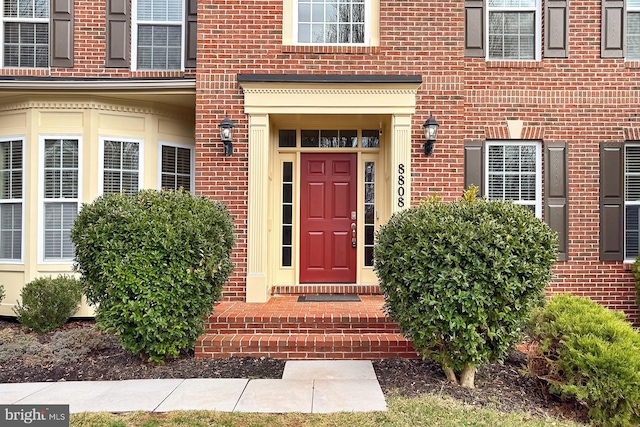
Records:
x=309, y=386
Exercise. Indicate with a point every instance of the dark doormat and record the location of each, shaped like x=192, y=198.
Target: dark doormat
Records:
x=328, y=298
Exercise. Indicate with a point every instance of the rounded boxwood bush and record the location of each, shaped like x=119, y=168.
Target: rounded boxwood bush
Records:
x=591, y=353
x=462, y=278
x=47, y=303
x=1, y=293
x=153, y=264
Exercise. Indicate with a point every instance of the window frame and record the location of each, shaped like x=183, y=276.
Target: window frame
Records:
x=136, y=24
x=101, y=168
x=625, y=202
x=192, y=157
x=537, y=42
x=368, y=39
x=627, y=11
x=4, y=20
x=20, y=260
x=41, y=194
x=538, y=170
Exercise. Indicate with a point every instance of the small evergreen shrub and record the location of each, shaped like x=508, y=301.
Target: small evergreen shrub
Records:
x=1, y=293
x=591, y=353
x=47, y=303
x=636, y=275
x=462, y=278
x=72, y=345
x=153, y=264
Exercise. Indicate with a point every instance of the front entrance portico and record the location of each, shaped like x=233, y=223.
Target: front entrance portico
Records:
x=375, y=114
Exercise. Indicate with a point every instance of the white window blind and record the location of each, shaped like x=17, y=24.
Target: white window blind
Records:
x=633, y=30
x=61, y=192
x=632, y=200
x=121, y=167
x=514, y=174
x=512, y=29
x=159, y=34
x=25, y=33
x=11, y=180
x=176, y=168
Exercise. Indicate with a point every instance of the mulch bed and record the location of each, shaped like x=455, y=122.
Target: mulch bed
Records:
x=503, y=387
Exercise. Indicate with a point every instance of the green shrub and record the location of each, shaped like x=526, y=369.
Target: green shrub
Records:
x=590, y=352
x=153, y=264
x=1, y=293
x=636, y=275
x=47, y=303
x=461, y=278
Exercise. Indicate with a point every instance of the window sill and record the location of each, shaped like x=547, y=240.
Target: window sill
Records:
x=514, y=64
x=326, y=49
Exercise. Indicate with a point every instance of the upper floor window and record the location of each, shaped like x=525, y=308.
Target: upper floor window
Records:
x=633, y=29
x=11, y=185
x=25, y=33
x=332, y=21
x=158, y=34
x=513, y=29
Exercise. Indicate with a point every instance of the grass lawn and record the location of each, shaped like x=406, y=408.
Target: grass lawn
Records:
x=427, y=410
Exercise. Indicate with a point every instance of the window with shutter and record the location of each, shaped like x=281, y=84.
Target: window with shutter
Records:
x=633, y=30
x=512, y=29
x=11, y=203
x=121, y=166
x=61, y=197
x=157, y=34
x=176, y=167
x=511, y=170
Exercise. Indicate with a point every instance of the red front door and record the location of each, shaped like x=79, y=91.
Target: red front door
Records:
x=327, y=200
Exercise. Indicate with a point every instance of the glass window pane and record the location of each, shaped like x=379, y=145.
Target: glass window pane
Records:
x=287, y=138
x=310, y=138
x=370, y=138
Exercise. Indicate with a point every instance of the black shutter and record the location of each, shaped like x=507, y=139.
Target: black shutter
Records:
x=611, y=201
x=61, y=49
x=474, y=165
x=556, y=29
x=556, y=200
x=612, y=35
x=118, y=45
x=191, y=34
x=474, y=27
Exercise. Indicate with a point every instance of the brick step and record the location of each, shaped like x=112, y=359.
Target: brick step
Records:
x=300, y=324
x=373, y=346
x=332, y=288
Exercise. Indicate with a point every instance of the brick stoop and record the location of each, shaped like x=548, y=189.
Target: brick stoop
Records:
x=286, y=329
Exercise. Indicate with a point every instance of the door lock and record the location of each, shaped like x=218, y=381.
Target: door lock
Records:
x=354, y=241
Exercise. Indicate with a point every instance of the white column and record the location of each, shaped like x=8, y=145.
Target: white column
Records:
x=257, y=284
x=401, y=162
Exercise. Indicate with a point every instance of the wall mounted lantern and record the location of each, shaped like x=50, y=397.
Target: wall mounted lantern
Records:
x=430, y=134
x=226, y=135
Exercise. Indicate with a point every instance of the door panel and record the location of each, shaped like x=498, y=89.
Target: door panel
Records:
x=328, y=196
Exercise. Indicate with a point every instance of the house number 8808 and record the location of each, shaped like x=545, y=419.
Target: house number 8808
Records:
x=401, y=185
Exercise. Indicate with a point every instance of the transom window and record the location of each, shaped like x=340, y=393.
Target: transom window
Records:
x=329, y=138
x=514, y=173
x=25, y=32
x=175, y=167
x=513, y=29
x=61, y=197
x=158, y=34
x=11, y=183
x=121, y=166
x=633, y=29
x=632, y=200
x=331, y=21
